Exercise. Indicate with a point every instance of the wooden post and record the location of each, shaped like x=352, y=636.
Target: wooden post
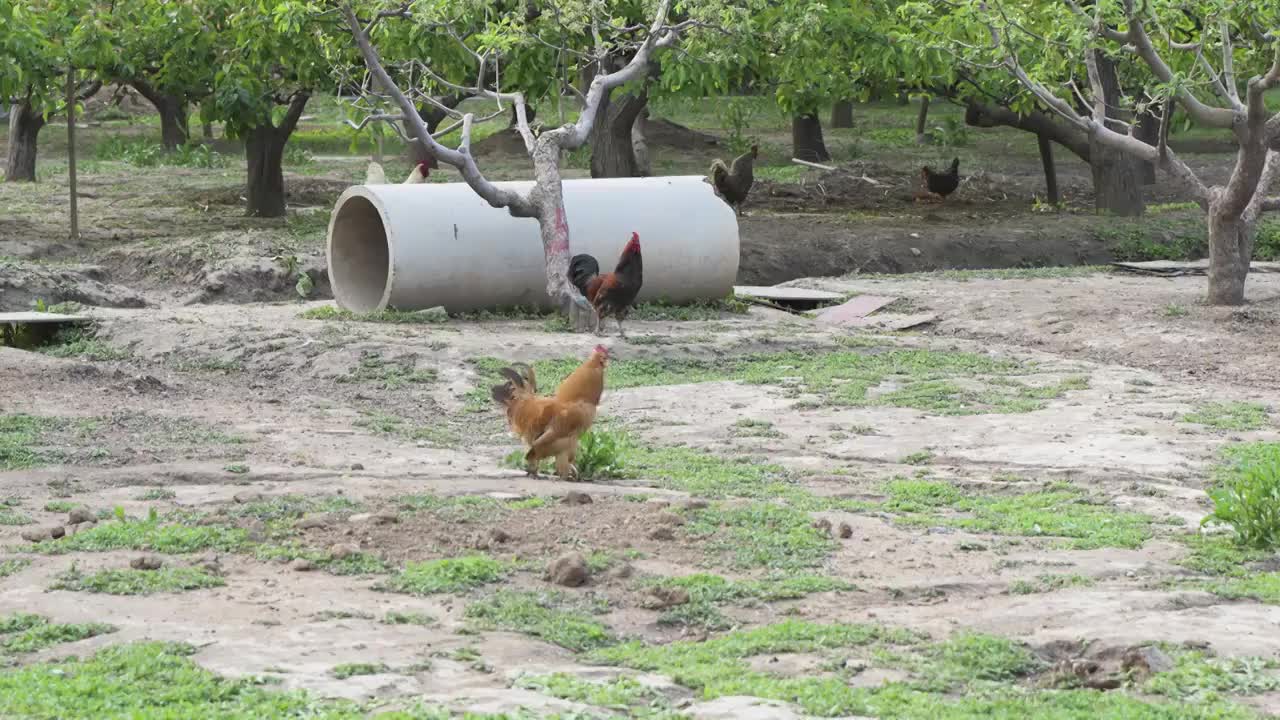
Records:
x=71, y=151
x=1050, y=172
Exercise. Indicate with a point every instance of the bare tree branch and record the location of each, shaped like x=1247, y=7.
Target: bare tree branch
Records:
x=1259, y=202
x=516, y=204
x=1229, y=62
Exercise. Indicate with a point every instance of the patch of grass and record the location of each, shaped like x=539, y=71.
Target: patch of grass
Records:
x=919, y=457
x=23, y=440
x=25, y=633
x=1220, y=555
x=400, y=317
x=447, y=575
x=541, y=615
x=707, y=591
x=80, y=343
x=140, y=152
x=1263, y=587
x=237, y=468
x=137, y=582
x=354, y=564
x=1035, y=273
x=292, y=507
x=1246, y=496
x=13, y=565
x=623, y=693
x=465, y=508
x=761, y=535
x=1197, y=677
x=349, y=670
x=706, y=475
x=1174, y=310
x=700, y=310
x=1060, y=511
x=754, y=428
x=843, y=378
x=391, y=376
x=10, y=516
x=156, y=494
x=151, y=534
x=152, y=680
x=396, y=617
x=60, y=506
x=1236, y=416
x=1048, y=583
x=437, y=435
x=1155, y=238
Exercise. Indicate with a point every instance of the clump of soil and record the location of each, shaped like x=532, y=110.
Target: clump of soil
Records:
x=21, y=285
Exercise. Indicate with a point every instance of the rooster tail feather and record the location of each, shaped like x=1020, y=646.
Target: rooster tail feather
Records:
x=530, y=380
x=581, y=269
x=503, y=394
x=718, y=169
x=955, y=165
x=513, y=377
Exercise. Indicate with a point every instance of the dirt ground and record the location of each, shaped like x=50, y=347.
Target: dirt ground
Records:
x=335, y=456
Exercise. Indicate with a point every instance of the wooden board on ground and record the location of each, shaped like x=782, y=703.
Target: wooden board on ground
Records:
x=855, y=309
x=1174, y=268
x=790, y=297
x=33, y=317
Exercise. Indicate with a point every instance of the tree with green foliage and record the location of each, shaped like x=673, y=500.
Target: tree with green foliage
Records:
x=1196, y=57
x=500, y=44
x=164, y=50
x=270, y=58
x=37, y=41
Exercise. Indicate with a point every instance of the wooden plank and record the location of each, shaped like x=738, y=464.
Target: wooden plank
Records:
x=39, y=317
x=857, y=308
x=785, y=294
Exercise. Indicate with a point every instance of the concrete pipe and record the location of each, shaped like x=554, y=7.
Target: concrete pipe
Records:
x=418, y=246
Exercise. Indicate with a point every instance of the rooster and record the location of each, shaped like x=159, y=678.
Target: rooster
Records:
x=419, y=174
x=734, y=182
x=610, y=293
x=374, y=175
x=939, y=185
x=548, y=426
x=586, y=384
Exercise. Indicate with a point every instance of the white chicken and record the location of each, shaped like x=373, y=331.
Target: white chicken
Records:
x=419, y=174
x=374, y=175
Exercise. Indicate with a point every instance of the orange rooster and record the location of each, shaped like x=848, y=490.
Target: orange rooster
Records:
x=610, y=293
x=549, y=426
x=586, y=384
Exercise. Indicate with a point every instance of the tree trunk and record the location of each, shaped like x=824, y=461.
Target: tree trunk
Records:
x=208, y=131
x=1230, y=248
x=1148, y=131
x=174, y=130
x=640, y=143
x=806, y=139
x=1050, y=170
x=922, y=119
x=24, y=129
x=612, y=152
x=264, y=150
x=1117, y=187
x=904, y=98
x=842, y=114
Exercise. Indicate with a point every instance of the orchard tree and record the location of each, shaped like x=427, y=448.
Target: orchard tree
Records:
x=269, y=60
x=164, y=50
x=1195, y=57
x=37, y=44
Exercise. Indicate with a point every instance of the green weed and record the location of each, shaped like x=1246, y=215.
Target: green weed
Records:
x=349, y=670
x=1235, y=416
x=447, y=575
x=151, y=534
x=23, y=633
x=13, y=565
x=707, y=591
x=81, y=343
x=540, y=615
x=1246, y=497
x=396, y=617
x=399, y=317
x=156, y=494
x=137, y=582
x=761, y=535
x=1048, y=583
x=1199, y=678
x=391, y=376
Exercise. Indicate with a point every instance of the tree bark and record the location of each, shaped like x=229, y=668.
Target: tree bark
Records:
x=1230, y=248
x=264, y=151
x=1050, y=170
x=24, y=130
x=842, y=114
x=1041, y=123
x=174, y=128
x=922, y=119
x=432, y=116
x=1148, y=131
x=640, y=143
x=806, y=139
x=612, y=151
x=1117, y=186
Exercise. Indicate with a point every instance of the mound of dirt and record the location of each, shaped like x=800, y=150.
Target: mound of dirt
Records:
x=245, y=279
x=22, y=284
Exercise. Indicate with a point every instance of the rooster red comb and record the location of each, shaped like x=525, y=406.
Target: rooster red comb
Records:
x=423, y=167
x=634, y=243
x=602, y=350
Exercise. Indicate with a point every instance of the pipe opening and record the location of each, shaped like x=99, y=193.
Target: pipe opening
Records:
x=359, y=256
